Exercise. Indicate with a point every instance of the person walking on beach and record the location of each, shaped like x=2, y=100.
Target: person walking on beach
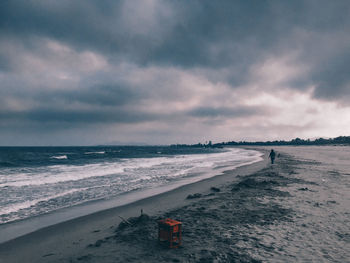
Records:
x=272, y=156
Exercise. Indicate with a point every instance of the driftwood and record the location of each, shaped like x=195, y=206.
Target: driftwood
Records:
x=133, y=221
x=124, y=220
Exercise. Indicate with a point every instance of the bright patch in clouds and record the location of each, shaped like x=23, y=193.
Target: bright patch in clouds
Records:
x=277, y=72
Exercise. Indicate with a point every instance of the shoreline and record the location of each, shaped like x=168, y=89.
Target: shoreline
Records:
x=44, y=240
x=22, y=227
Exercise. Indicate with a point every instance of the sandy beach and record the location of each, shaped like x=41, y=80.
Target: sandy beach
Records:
x=296, y=210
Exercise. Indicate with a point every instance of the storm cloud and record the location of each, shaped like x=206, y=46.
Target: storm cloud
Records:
x=184, y=70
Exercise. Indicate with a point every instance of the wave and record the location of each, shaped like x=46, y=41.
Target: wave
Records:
x=60, y=157
x=132, y=168
x=102, y=152
x=36, y=190
x=64, y=173
x=27, y=204
x=7, y=164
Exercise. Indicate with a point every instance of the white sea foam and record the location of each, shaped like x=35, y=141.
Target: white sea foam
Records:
x=167, y=166
x=11, y=208
x=59, y=157
x=102, y=152
x=63, y=173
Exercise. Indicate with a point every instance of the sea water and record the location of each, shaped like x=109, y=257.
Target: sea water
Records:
x=41, y=180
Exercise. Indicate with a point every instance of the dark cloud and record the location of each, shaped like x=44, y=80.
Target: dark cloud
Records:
x=332, y=80
x=95, y=62
x=76, y=22
x=101, y=95
x=4, y=63
x=90, y=105
x=233, y=34
x=87, y=116
x=73, y=117
x=225, y=112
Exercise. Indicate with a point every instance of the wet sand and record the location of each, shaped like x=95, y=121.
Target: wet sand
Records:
x=296, y=210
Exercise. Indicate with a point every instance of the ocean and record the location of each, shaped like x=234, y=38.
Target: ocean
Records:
x=40, y=180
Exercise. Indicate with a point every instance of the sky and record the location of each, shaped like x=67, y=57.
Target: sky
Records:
x=161, y=72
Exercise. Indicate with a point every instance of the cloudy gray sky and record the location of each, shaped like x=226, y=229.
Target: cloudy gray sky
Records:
x=159, y=72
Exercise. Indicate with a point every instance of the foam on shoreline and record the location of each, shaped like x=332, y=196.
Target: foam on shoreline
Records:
x=19, y=228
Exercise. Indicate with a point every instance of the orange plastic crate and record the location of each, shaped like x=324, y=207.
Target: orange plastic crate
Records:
x=169, y=232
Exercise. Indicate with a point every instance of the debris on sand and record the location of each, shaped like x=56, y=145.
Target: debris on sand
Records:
x=196, y=195
x=214, y=189
x=134, y=221
x=253, y=183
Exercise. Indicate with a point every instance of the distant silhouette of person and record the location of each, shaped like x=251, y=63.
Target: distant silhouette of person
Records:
x=272, y=156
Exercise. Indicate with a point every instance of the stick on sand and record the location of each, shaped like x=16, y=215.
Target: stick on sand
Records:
x=124, y=220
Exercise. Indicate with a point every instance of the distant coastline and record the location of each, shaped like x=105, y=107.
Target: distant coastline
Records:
x=341, y=140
